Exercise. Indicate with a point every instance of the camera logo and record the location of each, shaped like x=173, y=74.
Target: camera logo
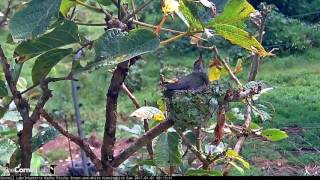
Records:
x=52, y=168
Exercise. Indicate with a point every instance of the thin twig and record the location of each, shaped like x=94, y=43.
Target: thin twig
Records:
x=49, y=80
x=145, y=4
x=145, y=122
x=130, y=95
x=6, y=14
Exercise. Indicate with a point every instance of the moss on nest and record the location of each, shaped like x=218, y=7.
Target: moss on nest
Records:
x=194, y=108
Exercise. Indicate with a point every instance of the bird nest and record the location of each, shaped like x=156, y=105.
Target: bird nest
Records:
x=191, y=109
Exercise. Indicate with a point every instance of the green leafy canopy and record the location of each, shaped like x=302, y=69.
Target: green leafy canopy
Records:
x=114, y=47
x=34, y=19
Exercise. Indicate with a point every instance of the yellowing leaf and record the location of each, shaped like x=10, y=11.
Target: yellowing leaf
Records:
x=239, y=66
x=159, y=117
x=233, y=154
x=234, y=13
x=147, y=112
x=241, y=38
x=215, y=71
x=169, y=6
x=161, y=104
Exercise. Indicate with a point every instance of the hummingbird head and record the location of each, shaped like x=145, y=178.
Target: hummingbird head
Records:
x=198, y=66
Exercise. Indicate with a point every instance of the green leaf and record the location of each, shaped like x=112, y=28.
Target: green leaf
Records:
x=238, y=168
x=232, y=154
x=46, y=62
x=64, y=34
x=167, y=150
x=104, y=2
x=254, y=126
x=7, y=148
x=190, y=15
x=241, y=38
x=34, y=19
x=235, y=13
x=202, y=172
x=66, y=5
x=114, y=46
x=43, y=137
x=36, y=163
x=3, y=89
x=274, y=134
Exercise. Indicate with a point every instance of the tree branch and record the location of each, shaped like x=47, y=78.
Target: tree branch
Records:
x=25, y=136
x=142, y=141
x=81, y=143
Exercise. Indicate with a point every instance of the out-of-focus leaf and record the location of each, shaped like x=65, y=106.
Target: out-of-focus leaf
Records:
x=254, y=126
x=104, y=2
x=7, y=147
x=147, y=112
x=36, y=163
x=167, y=150
x=169, y=6
x=46, y=62
x=274, y=134
x=64, y=34
x=238, y=168
x=3, y=89
x=161, y=104
x=239, y=67
x=34, y=19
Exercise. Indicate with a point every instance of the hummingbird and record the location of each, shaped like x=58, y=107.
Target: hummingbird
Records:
x=193, y=81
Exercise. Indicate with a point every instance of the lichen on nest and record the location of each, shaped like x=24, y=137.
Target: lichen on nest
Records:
x=191, y=109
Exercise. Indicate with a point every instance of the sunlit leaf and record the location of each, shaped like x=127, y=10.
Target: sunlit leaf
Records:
x=241, y=38
x=66, y=5
x=148, y=112
x=232, y=154
x=161, y=104
x=235, y=13
x=169, y=6
x=274, y=134
x=190, y=15
x=215, y=70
